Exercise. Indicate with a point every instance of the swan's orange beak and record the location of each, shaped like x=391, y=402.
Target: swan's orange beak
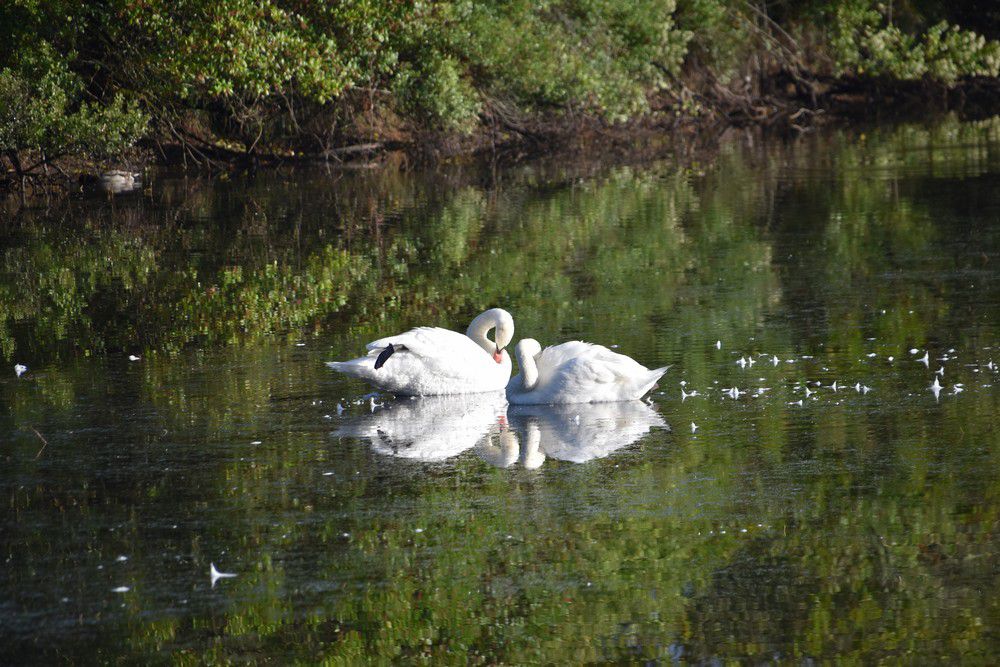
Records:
x=497, y=357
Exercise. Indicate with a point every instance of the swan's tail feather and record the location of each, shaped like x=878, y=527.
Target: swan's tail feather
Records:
x=358, y=368
x=384, y=356
x=649, y=381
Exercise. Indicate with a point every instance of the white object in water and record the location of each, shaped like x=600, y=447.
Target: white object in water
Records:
x=430, y=361
x=576, y=433
x=936, y=388
x=20, y=369
x=925, y=360
x=133, y=357
x=119, y=181
x=215, y=575
x=718, y=345
x=577, y=372
x=428, y=428
x=694, y=427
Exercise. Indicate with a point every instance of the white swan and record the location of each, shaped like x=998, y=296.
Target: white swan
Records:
x=429, y=361
x=577, y=372
x=429, y=428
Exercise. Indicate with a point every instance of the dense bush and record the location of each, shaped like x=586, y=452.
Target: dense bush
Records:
x=82, y=77
x=865, y=41
x=43, y=109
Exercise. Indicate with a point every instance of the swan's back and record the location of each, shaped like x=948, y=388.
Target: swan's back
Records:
x=579, y=372
x=428, y=361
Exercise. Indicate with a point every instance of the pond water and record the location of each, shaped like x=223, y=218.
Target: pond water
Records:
x=794, y=490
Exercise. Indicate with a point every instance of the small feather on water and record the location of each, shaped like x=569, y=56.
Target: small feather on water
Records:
x=215, y=575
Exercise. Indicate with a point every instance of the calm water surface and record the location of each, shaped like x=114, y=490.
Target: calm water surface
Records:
x=812, y=498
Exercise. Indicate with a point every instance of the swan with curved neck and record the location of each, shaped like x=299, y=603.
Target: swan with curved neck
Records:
x=494, y=318
x=428, y=361
x=577, y=372
x=526, y=351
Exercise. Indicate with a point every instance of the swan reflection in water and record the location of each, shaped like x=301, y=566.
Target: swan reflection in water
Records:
x=435, y=428
x=429, y=428
x=579, y=432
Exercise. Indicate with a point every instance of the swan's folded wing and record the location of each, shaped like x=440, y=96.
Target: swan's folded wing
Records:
x=556, y=355
x=587, y=363
x=590, y=370
x=443, y=351
x=421, y=340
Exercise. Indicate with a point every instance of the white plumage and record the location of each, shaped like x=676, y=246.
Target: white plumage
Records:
x=429, y=361
x=577, y=372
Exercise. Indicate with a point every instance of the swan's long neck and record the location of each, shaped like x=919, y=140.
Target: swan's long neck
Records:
x=478, y=329
x=529, y=370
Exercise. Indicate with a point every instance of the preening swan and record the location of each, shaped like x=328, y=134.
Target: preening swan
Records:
x=577, y=372
x=430, y=360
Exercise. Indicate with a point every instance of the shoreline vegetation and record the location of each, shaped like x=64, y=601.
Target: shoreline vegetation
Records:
x=117, y=85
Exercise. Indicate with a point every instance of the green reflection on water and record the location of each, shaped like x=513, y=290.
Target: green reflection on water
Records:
x=852, y=527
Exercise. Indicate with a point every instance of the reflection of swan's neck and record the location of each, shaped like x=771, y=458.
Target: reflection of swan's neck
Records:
x=529, y=370
x=501, y=456
x=531, y=456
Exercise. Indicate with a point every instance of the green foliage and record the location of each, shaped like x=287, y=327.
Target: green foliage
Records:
x=595, y=55
x=863, y=41
x=718, y=37
x=240, y=49
x=41, y=109
x=434, y=89
x=83, y=77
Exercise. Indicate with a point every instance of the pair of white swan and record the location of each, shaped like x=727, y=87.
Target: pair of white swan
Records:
x=430, y=361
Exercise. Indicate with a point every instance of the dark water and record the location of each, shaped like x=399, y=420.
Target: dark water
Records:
x=796, y=522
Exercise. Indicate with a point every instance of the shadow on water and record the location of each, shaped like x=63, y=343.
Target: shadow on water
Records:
x=813, y=501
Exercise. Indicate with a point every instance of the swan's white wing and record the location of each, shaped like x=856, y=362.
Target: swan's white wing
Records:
x=429, y=361
x=586, y=364
x=444, y=352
